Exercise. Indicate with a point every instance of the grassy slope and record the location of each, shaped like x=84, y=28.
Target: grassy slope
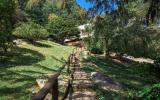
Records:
x=133, y=77
x=19, y=71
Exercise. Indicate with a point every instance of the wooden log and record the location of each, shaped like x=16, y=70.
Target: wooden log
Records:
x=67, y=90
x=46, y=89
x=55, y=91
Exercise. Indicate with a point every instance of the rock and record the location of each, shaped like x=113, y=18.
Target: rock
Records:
x=105, y=82
x=17, y=42
x=85, y=53
x=41, y=82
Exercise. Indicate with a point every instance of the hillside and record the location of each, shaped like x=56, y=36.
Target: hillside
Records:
x=19, y=71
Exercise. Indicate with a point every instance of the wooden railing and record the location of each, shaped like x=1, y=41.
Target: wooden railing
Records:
x=52, y=85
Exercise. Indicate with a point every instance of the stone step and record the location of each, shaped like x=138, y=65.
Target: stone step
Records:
x=76, y=68
x=82, y=85
x=80, y=73
x=82, y=82
x=84, y=95
x=81, y=77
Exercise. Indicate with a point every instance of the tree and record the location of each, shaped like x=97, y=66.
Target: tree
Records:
x=7, y=9
x=62, y=28
x=104, y=31
x=105, y=6
x=35, y=12
x=63, y=8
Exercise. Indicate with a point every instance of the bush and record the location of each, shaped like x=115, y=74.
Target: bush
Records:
x=62, y=28
x=30, y=31
x=95, y=46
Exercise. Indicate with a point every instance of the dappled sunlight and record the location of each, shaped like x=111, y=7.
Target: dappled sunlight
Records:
x=19, y=72
x=82, y=49
x=131, y=76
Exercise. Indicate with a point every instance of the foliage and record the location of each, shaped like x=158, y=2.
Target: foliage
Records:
x=94, y=46
x=104, y=31
x=150, y=92
x=133, y=40
x=120, y=7
x=39, y=10
x=7, y=8
x=36, y=13
x=62, y=28
x=30, y=31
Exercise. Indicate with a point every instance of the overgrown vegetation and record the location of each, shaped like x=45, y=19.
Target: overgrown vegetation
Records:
x=30, y=31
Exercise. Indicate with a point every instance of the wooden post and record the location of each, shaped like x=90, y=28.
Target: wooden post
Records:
x=55, y=91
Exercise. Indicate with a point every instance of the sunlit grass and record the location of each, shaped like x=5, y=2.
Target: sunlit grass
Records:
x=19, y=71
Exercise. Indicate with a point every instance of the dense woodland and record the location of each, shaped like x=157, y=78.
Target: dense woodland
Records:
x=126, y=27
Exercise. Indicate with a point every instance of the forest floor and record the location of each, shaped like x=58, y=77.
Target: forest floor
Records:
x=19, y=69
x=132, y=77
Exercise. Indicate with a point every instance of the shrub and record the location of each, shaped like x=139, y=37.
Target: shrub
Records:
x=95, y=46
x=62, y=28
x=30, y=31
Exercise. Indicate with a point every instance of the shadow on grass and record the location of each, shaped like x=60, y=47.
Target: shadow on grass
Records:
x=20, y=57
x=44, y=67
x=132, y=76
x=16, y=83
x=39, y=44
x=59, y=60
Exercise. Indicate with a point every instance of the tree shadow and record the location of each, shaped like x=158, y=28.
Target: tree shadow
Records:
x=20, y=82
x=39, y=44
x=20, y=57
x=62, y=60
x=44, y=67
x=132, y=76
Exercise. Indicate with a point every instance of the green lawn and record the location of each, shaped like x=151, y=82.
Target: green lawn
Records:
x=133, y=77
x=27, y=62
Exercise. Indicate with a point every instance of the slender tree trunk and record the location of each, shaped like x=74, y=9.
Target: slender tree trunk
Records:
x=119, y=56
x=5, y=48
x=106, y=48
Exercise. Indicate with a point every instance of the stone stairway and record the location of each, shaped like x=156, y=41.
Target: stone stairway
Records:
x=82, y=85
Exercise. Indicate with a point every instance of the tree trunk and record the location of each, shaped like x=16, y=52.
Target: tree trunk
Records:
x=106, y=48
x=119, y=56
x=106, y=54
x=5, y=48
